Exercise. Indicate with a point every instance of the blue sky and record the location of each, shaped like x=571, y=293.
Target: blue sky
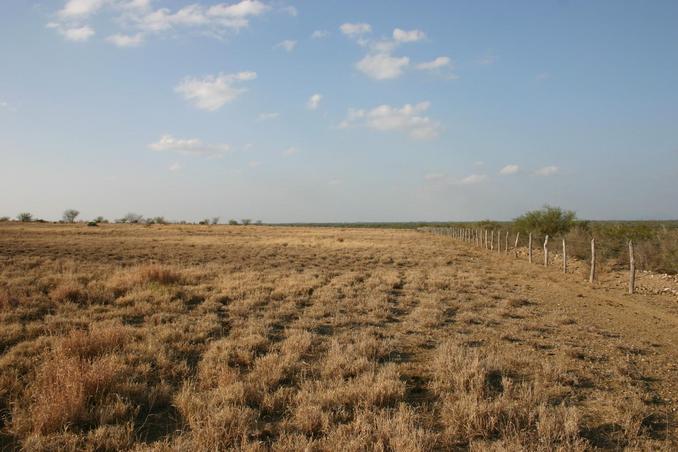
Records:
x=339, y=110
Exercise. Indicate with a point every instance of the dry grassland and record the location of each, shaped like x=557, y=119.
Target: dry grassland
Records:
x=258, y=338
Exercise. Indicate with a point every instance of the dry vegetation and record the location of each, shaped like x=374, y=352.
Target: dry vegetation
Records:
x=257, y=338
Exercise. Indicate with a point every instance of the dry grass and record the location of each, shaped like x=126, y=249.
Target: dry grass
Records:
x=216, y=338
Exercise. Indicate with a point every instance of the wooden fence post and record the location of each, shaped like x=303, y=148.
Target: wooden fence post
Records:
x=515, y=246
x=529, y=248
x=492, y=240
x=592, y=275
x=564, y=257
x=506, y=249
x=632, y=269
x=498, y=241
x=546, y=251
x=486, y=244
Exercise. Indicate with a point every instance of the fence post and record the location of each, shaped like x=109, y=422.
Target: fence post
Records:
x=546, y=251
x=529, y=248
x=592, y=275
x=486, y=244
x=498, y=241
x=506, y=249
x=515, y=246
x=492, y=240
x=564, y=257
x=632, y=269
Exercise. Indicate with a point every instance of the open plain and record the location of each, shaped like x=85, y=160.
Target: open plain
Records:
x=182, y=337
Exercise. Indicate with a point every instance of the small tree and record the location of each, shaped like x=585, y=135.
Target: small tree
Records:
x=215, y=220
x=3, y=219
x=25, y=217
x=246, y=221
x=547, y=220
x=70, y=215
x=258, y=223
x=100, y=219
x=232, y=222
x=159, y=220
x=132, y=218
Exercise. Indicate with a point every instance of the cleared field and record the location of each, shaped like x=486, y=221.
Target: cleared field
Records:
x=259, y=338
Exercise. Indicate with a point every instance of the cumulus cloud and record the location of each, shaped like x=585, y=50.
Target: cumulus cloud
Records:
x=547, y=171
x=408, y=118
x=472, y=179
x=314, y=101
x=408, y=36
x=121, y=40
x=191, y=146
x=320, y=34
x=213, y=19
x=290, y=151
x=382, y=66
x=509, y=169
x=287, y=44
x=75, y=34
x=355, y=30
x=438, y=63
x=213, y=91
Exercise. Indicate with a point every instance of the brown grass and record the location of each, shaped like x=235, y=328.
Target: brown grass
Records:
x=230, y=338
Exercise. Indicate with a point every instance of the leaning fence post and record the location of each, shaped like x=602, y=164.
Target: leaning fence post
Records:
x=546, y=251
x=564, y=257
x=529, y=248
x=632, y=269
x=592, y=275
x=515, y=246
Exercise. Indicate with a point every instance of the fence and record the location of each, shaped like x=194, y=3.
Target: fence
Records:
x=499, y=241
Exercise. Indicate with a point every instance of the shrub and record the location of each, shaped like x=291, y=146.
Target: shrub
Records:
x=159, y=274
x=3, y=219
x=25, y=217
x=232, y=222
x=70, y=215
x=215, y=220
x=246, y=221
x=131, y=218
x=100, y=219
x=546, y=221
x=92, y=224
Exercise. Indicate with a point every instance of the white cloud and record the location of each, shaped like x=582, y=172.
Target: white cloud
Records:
x=408, y=118
x=434, y=176
x=291, y=10
x=547, y=171
x=509, y=169
x=267, y=116
x=320, y=34
x=290, y=151
x=80, y=8
x=121, y=40
x=382, y=66
x=473, y=179
x=438, y=63
x=174, y=167
x=314, y=101
x=408, y=36
x=287, y=44
x=213, y=91
x=355, y=30
x=75, y=34
x=191, y=146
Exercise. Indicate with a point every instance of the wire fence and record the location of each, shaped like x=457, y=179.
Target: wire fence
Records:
x=574, y=253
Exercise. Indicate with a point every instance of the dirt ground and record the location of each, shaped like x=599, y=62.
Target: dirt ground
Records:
x=169, y=337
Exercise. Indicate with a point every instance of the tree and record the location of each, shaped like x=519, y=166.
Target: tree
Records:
x=159, y=220
x=25, y=217
x=70, y=215
x=258, y=223
x=547, y=220
x=100, y=219
x=215, y=220
x=232, y=222
x=3, y=219
x=246, y=221
x=131, y=218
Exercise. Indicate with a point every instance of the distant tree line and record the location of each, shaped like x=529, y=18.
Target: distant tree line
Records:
x=71, y=216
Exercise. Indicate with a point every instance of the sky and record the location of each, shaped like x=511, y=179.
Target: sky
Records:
x=326, y=111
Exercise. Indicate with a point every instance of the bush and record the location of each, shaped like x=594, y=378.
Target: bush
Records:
x=246, y=221
x=131, y=218
x=92, y=224
x=215, y=220
x=25, y=217
x=70, y=215
x=100, y=219
x=546, y=221
x=232, y=222
x=3, y=219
